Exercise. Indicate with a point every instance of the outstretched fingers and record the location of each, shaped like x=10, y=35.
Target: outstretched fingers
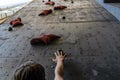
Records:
x=55, y=53
x=60, y=53
x=65, y=55
x=54, y=59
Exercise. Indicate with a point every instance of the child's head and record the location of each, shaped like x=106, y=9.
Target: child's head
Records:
x=30, y=71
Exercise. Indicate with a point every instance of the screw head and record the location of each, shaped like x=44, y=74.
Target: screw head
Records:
x=72, y=2
x=10, y=29
x=63, y=17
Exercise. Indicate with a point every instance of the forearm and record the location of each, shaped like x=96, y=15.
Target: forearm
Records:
x=59, y=70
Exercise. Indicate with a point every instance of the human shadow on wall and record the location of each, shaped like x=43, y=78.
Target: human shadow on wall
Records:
x=73, y=71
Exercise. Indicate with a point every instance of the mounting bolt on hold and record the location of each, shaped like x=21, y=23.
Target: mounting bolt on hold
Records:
x=63, y=17
x=10, y=29
x=72, y=2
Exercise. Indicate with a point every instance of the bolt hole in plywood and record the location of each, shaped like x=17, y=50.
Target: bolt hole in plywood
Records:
x=8, y=8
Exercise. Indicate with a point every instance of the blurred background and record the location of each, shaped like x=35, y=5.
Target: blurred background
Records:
x=9, y=7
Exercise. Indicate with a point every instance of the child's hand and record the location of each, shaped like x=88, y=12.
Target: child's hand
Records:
x=60, y=56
